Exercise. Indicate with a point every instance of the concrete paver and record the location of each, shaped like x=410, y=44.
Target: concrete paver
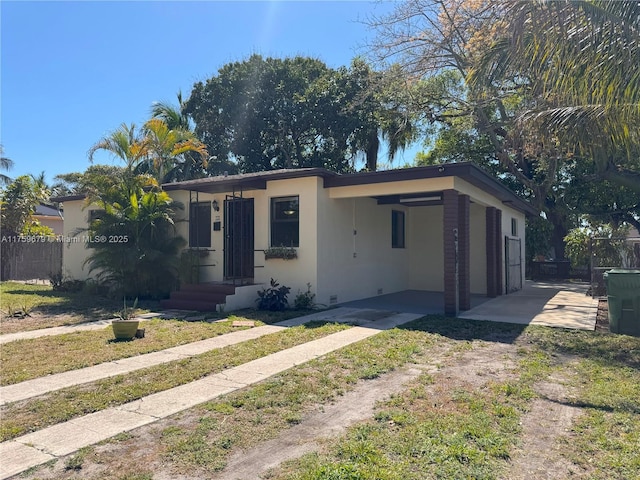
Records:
x=38, y=447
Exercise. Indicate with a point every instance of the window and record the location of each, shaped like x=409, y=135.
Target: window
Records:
x=200, y=225
x=285, y=222
x=514, y=227
x=397, y=229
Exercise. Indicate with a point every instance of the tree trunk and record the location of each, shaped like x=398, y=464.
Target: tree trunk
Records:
x=373, y=145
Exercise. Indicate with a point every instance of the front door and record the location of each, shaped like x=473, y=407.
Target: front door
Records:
x=513, y=264
x=238, y=234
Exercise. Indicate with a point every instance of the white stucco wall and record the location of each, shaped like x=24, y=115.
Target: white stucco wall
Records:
x=425, y=245
x=355, y=257
x=75, y=252
x=297, y=272
x=345, y=250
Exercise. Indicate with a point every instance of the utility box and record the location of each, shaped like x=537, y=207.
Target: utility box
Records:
x=623, y=297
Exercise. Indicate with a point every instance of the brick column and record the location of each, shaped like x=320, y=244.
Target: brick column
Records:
x=491, y=247
x=450, y=221
x=464, y=252
x=499, y=253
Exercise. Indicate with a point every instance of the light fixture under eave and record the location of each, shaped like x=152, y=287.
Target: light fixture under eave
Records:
x=421, y=199
x=215, y=205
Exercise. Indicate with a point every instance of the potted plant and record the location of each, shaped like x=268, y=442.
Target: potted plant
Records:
x=126, y=325
x=286, y=253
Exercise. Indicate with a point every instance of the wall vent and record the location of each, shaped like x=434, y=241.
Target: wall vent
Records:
x=333, y=299
x=379, y=291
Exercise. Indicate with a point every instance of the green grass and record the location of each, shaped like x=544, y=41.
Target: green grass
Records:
x=245, y=418
x=43, y=299
x=60, y=353
x=437, y=428
x=65, y=404
x=606, y=378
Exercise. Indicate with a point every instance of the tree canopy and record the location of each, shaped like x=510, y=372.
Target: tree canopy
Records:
x=269, y=113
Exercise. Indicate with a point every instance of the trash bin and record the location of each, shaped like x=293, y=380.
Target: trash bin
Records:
x=623, y=297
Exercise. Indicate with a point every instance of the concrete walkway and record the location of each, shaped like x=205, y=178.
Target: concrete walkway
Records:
x=561, y=305
x=40, y=386
x=42, y=446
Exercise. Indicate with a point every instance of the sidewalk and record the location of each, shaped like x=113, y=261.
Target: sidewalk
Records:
x=50, y=383
x=42, y=446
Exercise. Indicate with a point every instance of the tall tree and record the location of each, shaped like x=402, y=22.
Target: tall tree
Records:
x=267, y=113
x=377, y=102
x=264, y=114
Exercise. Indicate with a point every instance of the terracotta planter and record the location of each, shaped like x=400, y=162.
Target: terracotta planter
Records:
x=124, y=329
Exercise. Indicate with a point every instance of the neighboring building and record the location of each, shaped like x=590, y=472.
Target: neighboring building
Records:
x=50, y=217
x=450, y=228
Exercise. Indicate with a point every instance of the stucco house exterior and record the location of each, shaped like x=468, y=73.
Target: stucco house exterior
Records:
x=450, y=228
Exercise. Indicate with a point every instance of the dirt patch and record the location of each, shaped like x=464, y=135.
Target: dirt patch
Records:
x=330, y=420
x=544, y=428
x=37, y=320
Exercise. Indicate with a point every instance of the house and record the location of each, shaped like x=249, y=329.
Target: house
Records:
x=450, y=228
x=49, y=217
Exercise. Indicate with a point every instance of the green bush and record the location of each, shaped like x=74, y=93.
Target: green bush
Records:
x=273, y=298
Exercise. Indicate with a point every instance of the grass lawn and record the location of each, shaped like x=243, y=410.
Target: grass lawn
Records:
x=60, y=353
x=48, y=308
x=464, y=417
x=22, y=417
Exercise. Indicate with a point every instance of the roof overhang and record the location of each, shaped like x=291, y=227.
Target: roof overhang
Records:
x=245, y=181
x=429, y=182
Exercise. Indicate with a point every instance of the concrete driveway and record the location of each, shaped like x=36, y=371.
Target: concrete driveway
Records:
x=563, y=305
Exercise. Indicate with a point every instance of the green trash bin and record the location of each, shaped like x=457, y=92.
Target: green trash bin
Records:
x=623, y=297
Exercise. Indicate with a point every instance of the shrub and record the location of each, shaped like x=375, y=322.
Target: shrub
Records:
x=273, y=298
x=306, y=300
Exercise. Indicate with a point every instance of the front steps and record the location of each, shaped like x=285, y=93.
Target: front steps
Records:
x=204, y=297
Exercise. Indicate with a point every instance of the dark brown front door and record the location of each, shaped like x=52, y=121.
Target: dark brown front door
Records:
x=238, y=233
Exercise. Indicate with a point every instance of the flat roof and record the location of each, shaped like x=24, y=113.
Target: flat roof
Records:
x=258, y=181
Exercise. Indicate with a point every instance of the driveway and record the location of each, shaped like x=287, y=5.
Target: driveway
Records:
x=563, y=305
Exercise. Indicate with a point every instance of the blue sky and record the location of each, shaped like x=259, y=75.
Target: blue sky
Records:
x=74, y=71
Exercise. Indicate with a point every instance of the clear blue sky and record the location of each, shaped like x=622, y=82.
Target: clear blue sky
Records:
x=74, y=71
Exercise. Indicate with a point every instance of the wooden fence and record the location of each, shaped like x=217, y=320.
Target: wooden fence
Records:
x=28, y=261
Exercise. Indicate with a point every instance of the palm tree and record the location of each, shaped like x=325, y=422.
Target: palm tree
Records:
x=141, y=260
x=172, y=116
x=5, y=164
x=123, y=143
x=378, y=105
x=167, y=150
x=584, y=59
